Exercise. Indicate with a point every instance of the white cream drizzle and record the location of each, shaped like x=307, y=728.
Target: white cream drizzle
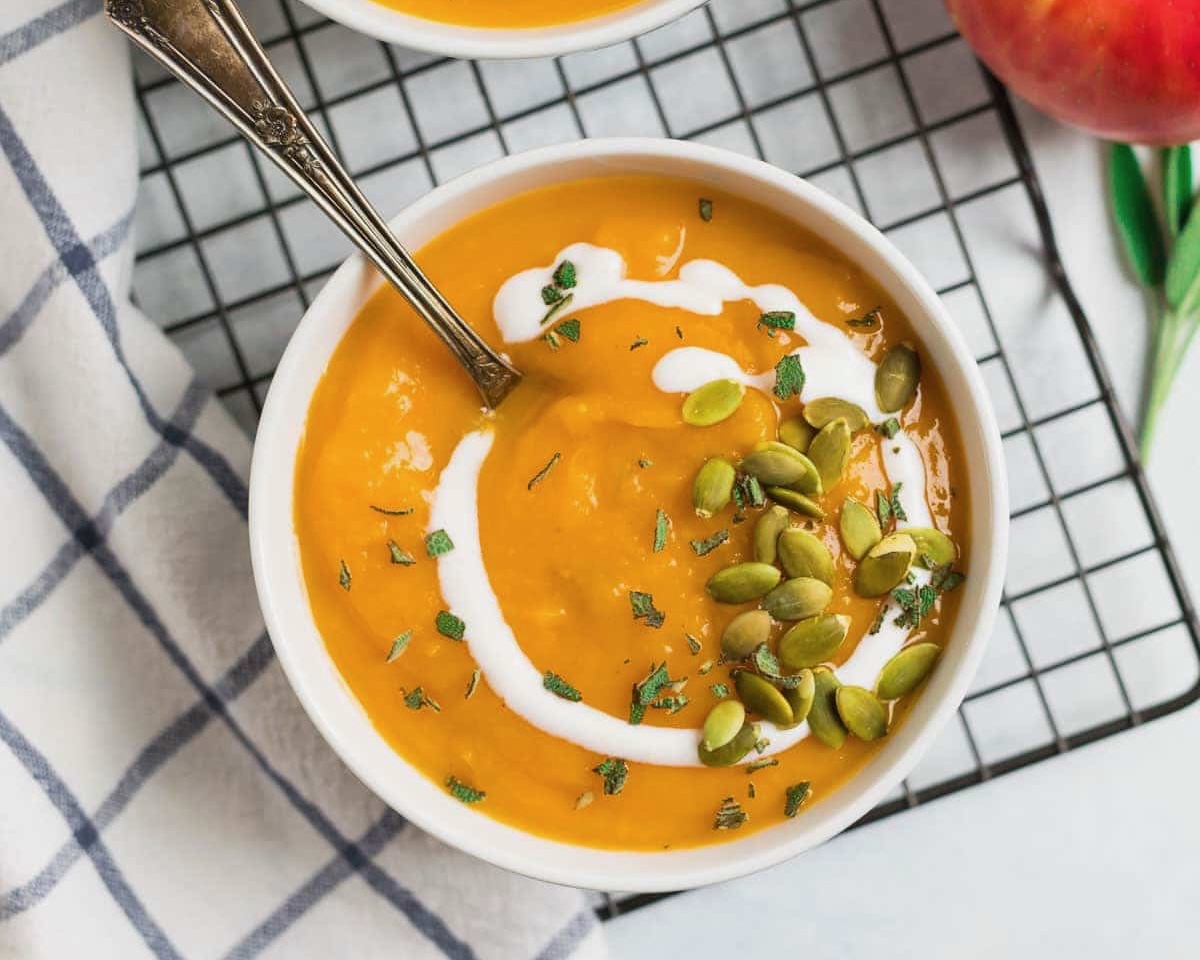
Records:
x=834, y=367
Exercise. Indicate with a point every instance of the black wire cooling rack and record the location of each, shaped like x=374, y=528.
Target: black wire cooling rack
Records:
x=877, y=101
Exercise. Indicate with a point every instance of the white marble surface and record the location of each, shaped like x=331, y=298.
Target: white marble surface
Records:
x=1096, y=853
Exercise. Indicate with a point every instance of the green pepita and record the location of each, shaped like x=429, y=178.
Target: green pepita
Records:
x=824, y=410
x=713, y=487
x=798, y=599
x=813, y=641
x=800, y=697
x=906, y=671
x=859, y=528
x=882, y=570
x=763, y=698
x=804, y=555
x=737, y=748
x=777, y=468
x=742, y=582
x=830, y=451
x=933, y=544
x=807, y=482
x=861, y=712
x=823, y=719
x=797, y=434
x=746, y=633
x=717, y=400
x=771, y=524
x=794, y=500
x=897, y=377
x=722, y=724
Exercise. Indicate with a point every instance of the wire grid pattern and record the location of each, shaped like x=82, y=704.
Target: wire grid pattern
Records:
x=877, y=101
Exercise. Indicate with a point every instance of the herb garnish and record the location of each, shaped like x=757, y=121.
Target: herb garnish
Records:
x=403, y=512
x=400, y=555
x=868, y=319
x=462, y=792
x=693, y=644
x=343, y=575
x=767, y=664
x=915, y=604
x=795, y=797
x=438, y=543
x=671, y=704
x=614, y=772
x=703, y=548
x=750, y=791
x=878, y=624
x=945, y=578
x=706, y=209
x=761, y=765
x=643, y=608
x=448, y=625
x=418, y=699
x=472, y=684
x=777, y=320
x=647, y=690
x=889, y=428
x=789, y=377
x=639, y=342
x=542, y=474
x=556, y=308
x=551, y=295
x=748, y=492
x=399, y=645
x=889, y=506
x=564, y=275
x=719, y=690
x=569, y=329
x=661, y=525
x=730, y=816
x=560, y=688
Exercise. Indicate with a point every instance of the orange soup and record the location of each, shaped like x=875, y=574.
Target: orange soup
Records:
x=687, y=578
x=511, y=14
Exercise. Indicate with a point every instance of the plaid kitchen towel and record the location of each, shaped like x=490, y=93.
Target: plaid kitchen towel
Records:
x=161, y=792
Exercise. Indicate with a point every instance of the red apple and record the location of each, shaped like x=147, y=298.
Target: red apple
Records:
x=1126, y=70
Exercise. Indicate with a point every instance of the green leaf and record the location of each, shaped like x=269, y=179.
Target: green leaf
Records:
x=662, y=525
x=789, y=377
x=614, y=772
x=1135, y=216
x=1177, y=187
x=559, y=687
x=1183, y=271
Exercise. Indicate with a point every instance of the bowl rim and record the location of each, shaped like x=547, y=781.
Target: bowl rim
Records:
x=498, y=43
x=344, y=724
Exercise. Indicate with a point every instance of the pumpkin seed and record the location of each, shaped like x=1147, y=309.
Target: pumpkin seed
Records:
x=861, y=712
x=813, y=641
x=804, y=555
x=742, y=582
x=824, y=410
x=794, y=500
x=737, y=748
x=722, y=724
x=933, y=544
x=766, y=533
x=800, y=697
x=897, y=377
x=906, y=671
x=798, y=599
x=746, y=633
x=797, y=434
x=777, y=468
x=859, y=528
x=762, y=697
x=717, y=400
x=830, y=451
x=823, y=719
x=713, y=487
x=885, y=566
x=808, y=481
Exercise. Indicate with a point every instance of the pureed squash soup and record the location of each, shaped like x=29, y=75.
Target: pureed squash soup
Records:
x=509, y=14
x=688, y=576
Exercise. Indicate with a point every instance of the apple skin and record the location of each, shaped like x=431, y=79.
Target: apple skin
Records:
x=1126, y=70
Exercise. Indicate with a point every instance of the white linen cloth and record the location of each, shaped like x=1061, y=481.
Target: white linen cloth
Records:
x=161, y=792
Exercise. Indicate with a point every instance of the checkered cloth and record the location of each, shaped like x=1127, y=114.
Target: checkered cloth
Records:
x=161, y=792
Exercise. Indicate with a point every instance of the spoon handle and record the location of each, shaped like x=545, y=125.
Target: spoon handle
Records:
x=208, y=45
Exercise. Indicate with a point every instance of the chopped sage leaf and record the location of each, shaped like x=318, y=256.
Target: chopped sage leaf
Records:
x=636, y=711
x=915, y=605
x=719, y=690
x=661, y=525
x=647, y=690
x=403, y=512
x=564, y=275
x=400, y=555
x=544, y=472
x=639, y=342
x=748, y=492
x=945, y=579
x=706, y=209
x=448, y=625
x=889, y=428
x=551, y=295
x=761, y=765
x=883, y=507
x=643, y=608
x=777, y=320
x=343, y=575
x=789, y=377
x=868, y=320
x=418, y=699
x=560, y=688
x=569, y=329
x=614, y=772
x=693, y=644
x=730, y=816
x=399, y=645
x=556, y=308
x=462, y=792
x=438, y=543
x=879, y=617
x=794, y=799
x=897, y=507
x=703, y=548
x=472, y=684
x=767, y=665
x=671, y=704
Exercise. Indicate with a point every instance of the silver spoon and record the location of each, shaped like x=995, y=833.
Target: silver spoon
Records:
x=208, y=45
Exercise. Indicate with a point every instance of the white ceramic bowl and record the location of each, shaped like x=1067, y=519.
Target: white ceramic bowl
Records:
x=336, y=711
x=482, y=43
